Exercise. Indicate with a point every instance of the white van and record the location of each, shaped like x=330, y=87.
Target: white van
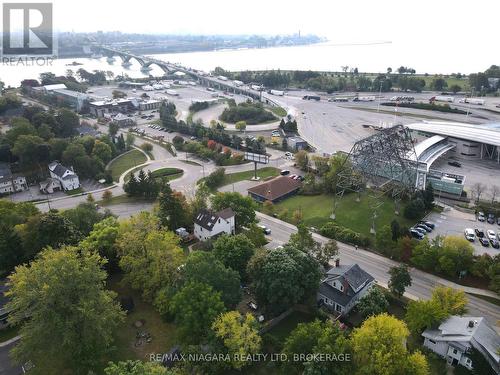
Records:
x=469, y=234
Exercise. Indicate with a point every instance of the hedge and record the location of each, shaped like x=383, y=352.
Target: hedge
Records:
x=343, y=234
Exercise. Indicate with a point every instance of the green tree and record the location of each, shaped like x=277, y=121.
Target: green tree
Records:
x=84, y=216
x=243, y=207
x=443, y=303
x=400, y=279
x=241, y=126
x=66, y=123
x=173, y=210
x=302, y=160
x=102, y=239
x=149, y=257
x=147, y=147
x=19, y=126
x=317, y=337
x=439, y=84
x=240, y=336
x=379, y=348
x=136, y=368
x=113, y=128
x=63, y=291
x=373, y=303
x=284, y=277
x=203, y=267
x=195, y=306
x=455, y=88
x=383, y=240
x=256, y=235
x=129, y=141
x=27, y=147
x=234, y=251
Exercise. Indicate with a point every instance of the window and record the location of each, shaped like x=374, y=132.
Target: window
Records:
x=341, y=288
x=338, y=308
x=468, y=361
x=334, y=284
x=454, y=351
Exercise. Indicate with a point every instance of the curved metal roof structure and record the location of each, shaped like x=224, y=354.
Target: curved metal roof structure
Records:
x=484, y=133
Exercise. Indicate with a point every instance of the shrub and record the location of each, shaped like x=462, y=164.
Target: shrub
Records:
x=147, y=147
x=215, y=178
x=343, y=234
x=107, y=195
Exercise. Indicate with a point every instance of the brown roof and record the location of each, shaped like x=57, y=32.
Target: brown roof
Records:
x=276, y=188
x=226, y=213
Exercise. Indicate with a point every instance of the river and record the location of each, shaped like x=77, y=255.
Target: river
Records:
x=374, y=57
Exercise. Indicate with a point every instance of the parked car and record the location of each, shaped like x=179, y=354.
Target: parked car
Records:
x=483, y=241
x=479, y=232
x=494, y=243
x=491, y=234
x=481, y=217
x=424, y=227
x=469, y=234
x=265, y=229
x=454, y=164
x=284, y=172
x=292, y=176
x=416, y=234
x=421, y=230
x=430, y=224
x=491, y=219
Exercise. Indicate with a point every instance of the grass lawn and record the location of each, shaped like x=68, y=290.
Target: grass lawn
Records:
x=126, y=161
x=163, y=333
x=287, y=325
x=74, y=191
x=119, y=199
x=169, y=173
x=278, y=111
x=316, y=211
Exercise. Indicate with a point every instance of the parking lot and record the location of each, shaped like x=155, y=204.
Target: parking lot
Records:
x=452, y=222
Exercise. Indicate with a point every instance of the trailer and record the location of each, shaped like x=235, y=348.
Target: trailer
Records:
x=476, y=101
x=312, y=97
x=276, y=92
x=442, y=98
x=338, y=99
x=364, y=99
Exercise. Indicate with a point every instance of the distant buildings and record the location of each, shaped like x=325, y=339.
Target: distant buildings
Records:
x=101, y=107
x=296, y=143
x=208, y=224
x=61, y=178
x=10, y=183
x=275, y=190
x=457, y=335
x=343, y=287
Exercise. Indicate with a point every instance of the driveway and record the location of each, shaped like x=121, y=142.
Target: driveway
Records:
x=6, y=365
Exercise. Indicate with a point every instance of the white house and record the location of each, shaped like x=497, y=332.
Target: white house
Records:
x=457, y=335
x=68, y=179
x=343, y=286
x=10, y=183
x=209, y=224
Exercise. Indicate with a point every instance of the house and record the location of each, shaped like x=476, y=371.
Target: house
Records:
x=343, y=286
x=275, y=190
x=208, y=224
x=67, y=177
x=296, y=143
x=10, y=183
x=123, y=120
x=457, y=335
x=50, y=185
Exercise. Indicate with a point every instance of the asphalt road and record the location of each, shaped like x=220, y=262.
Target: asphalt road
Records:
x=378, y=267
x=6, y=365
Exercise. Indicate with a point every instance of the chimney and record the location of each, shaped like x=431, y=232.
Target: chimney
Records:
x=337, y=262
x=471, y=324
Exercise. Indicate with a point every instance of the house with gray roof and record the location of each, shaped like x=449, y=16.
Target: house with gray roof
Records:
x=10, y=183
x=343, y=286
x=457, y=335
x=67, y=177
x=208, y=224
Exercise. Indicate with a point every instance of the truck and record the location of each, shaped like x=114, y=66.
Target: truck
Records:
x=442, y=98
x=276, y=92
x=172, y=92
x=364, y=99
x=311, y=97
x=476, y=101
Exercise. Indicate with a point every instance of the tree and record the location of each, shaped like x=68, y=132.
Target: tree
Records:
x=400, y=279
x=147, y=147
x=149, y=257
x=495, y=190
x=302, y=239
x=26, y=148
x=173, y=210
x=216, y=178
x=102, y=239
x=415, y=209
x=302, y=160
x=395, y=230
x=443, y=303
x=379, y=348
x=84, y=216
x=439, y=84
x=234, y=251
x=203, y=267
x=107, y=195
x=373, y=303
x=195, y=306
x=383, y=240
x=284, y=277
x=428, y=196
x=19, y=126
x=66, y=123
x=477, y=190
x=136, y=368
x=456, y=255
x=243, y=207
x=129, y=141
x=455, y=88
x=241, y=125
x=240, y=336
x=72, y=305
x=256, y=235
x=314, y=338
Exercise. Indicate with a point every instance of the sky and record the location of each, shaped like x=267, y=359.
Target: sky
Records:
x=450, y=30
